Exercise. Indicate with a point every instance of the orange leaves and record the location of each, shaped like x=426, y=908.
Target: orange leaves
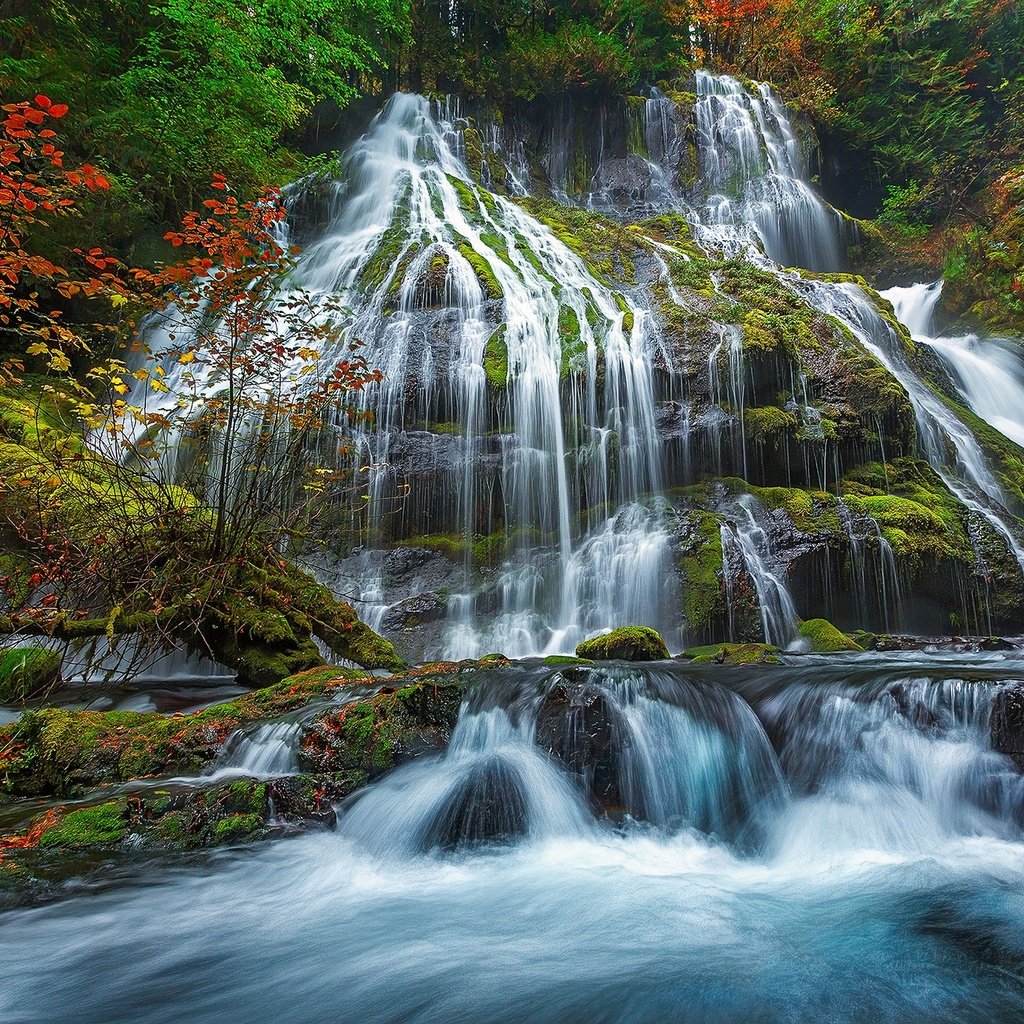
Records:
x=33, y=185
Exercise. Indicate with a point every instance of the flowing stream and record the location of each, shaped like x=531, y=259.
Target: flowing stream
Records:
x=819, y=841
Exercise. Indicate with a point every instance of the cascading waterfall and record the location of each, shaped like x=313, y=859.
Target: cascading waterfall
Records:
x=554, y=457
x=752, y=165
x=947, y=443
x=521, y=424
x=989, y=372
x=745, y=548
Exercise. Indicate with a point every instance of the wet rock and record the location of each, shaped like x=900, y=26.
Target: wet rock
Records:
x=303, y=800
x=624, y=181
x=374, y=734
x=912, y=708
x=413, y=612
x=1008, y=723
x=627, y=643
x=574, y=724
x=489, y=807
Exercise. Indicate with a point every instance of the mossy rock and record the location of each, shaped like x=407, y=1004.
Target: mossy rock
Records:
x=496, y=359
x=64, y=752
x=27, y=672
x=371, y=736
x=734, y=654
x=825, y=638
x=627, y=643
x=101, y=826
x=560, y=660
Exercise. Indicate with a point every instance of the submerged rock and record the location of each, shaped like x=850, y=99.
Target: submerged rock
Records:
x=627, y=643
x=489, y=807
x=575, y=725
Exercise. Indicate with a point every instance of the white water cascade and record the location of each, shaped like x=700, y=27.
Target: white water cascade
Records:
x=989, y=371
x=407, y=203
x=745, y=544
x=948, y=444
x=535, y=417
x=752, y=165
x=810, y=842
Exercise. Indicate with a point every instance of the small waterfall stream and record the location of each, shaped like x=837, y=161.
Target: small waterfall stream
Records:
x=989, y=372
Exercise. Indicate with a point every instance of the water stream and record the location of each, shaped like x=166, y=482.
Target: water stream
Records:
x=827, y=840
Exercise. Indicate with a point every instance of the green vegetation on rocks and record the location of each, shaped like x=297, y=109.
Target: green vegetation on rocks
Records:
x=627, y=643
x=734, y=654
x=27, y=672
x=824, y=638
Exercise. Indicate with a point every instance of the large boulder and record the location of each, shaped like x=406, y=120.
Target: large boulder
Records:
x=627, y=643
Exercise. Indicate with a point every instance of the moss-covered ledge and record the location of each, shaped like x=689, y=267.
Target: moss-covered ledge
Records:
x=63, y=752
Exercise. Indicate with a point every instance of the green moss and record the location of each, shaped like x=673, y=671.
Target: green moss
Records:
x=812, y=512
x=574, y=349
x=103, y=825
x=605, y=247
x=627, y=643
x=482, y=269
x=734, y=654
x=557, y=660
x=238, y=827
x=769, y=424
x=480, y=549
x=824, y=638
x=701, y=565
x=496, y=359
x=27, y=672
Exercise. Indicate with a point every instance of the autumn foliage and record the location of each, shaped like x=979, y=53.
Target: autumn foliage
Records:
x=35, y=187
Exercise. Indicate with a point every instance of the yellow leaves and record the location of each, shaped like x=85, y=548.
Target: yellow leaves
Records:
x=39, y=348
x=59, y=362
x=186, y=357
x=158, y=385
x=117, y=300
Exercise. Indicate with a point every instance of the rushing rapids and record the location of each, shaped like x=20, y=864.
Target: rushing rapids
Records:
x=824, y=839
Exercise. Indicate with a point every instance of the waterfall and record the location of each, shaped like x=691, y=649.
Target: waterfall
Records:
x=405, y=196
x=752, y=165
x=948, y=444
x=745, y=546
x=538, y=421
x=989, y=372
x=626, y=745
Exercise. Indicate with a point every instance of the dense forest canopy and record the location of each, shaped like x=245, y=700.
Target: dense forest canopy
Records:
x=928, y=94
